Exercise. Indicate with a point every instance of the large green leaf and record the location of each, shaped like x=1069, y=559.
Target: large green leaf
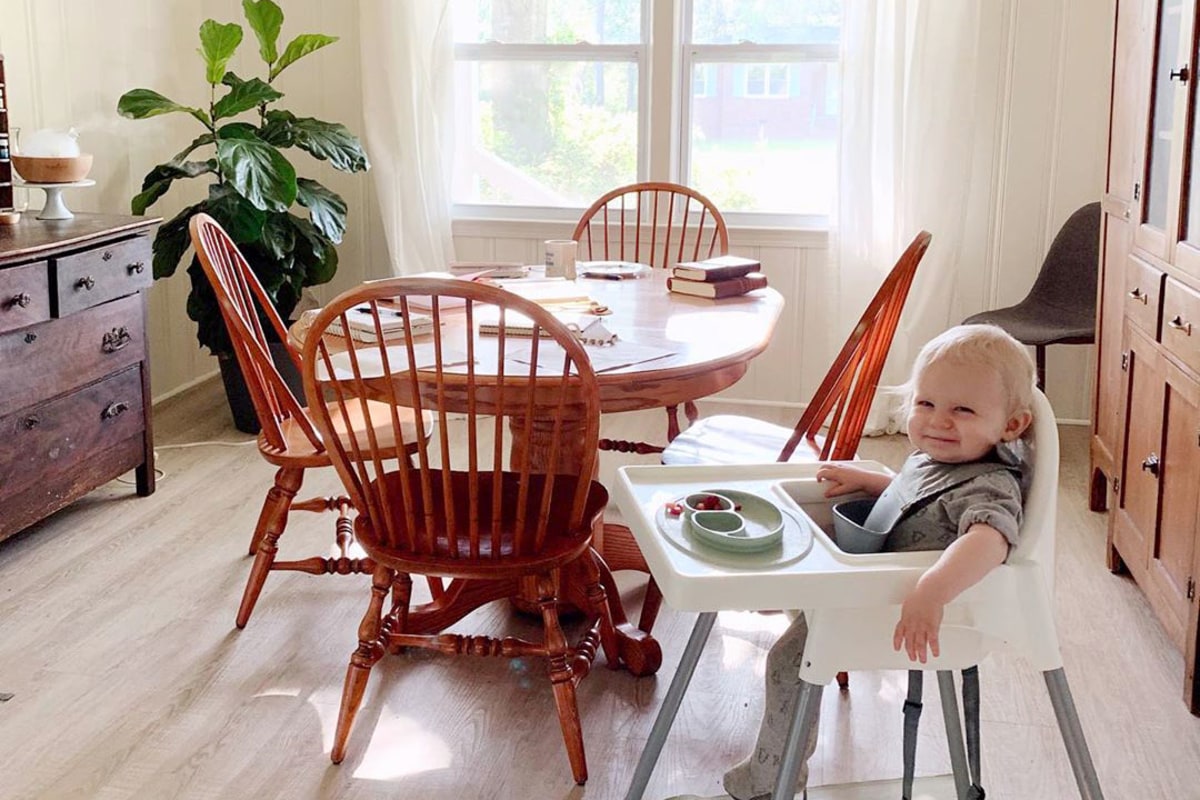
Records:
x=159, y=180
x=243, y=96
x=238, y=130
x=317, y=254
x=240, y=219
x=277, y=128
x=326, y=209
x=266, y=20
x=298, y=48
x=326, y=140
x=278, y=236
x=172, y=240
x=143, y=103
x=218, y=42
x=259, y=172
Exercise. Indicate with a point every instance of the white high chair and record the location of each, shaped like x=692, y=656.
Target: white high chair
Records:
x=852, y=602
x=1013, y=607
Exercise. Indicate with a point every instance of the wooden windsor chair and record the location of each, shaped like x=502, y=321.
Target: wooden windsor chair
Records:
x=831, y=426
x=506, y=507
x=287, y=438
x=659, y=224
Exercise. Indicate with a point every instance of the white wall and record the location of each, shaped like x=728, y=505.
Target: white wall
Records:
x=69, y=61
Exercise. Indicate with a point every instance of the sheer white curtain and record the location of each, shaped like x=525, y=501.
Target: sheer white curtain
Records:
x=919, y=91
x=408, y=75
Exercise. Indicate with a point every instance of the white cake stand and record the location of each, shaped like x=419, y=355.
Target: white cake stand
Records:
x=55, y=208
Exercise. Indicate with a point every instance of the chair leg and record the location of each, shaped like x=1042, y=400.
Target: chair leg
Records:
x=597, y=599
x=954, y=732
x=650, y=606
x=562, y=678
x=1072, y=733
x=804, y=716
x=1040, y=351
x=271, y=522
x=370, y=650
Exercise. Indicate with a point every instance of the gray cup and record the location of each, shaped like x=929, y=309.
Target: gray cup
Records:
x=848, y=529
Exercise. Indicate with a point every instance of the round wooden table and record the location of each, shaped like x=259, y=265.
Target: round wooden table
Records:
x=710, y=344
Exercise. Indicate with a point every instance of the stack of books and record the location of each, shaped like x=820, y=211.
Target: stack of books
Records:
x=720, y=276
x=391, y=321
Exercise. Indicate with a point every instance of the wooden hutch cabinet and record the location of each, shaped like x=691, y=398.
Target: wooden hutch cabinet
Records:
x=74, y=369
x=1146, y=431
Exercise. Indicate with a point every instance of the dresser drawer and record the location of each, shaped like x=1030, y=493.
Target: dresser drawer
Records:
x=1181, y=323
x=96, y=276
x=1143, y=295
x=52, y=357
x=24, y=296
x=57, y=437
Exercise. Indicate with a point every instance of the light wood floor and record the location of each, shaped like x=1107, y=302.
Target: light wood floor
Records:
x=130, y=680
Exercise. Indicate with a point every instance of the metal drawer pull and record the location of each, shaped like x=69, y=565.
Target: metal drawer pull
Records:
x=137, y=267
x=30, y=338
x=114, y=410
x=1151, y=464
x=107, y=256
x=1178, y=324
x=31, y=422
x=1140, y=296
x=23, y=300
x=87, y=282
x=115, y=339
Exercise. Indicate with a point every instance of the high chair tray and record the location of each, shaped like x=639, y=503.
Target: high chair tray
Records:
x=699, y=580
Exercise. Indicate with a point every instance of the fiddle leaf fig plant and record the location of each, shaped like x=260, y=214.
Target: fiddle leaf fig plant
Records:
x=254, y=191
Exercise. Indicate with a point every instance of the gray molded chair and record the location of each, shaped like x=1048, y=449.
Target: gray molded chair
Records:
x=1061, y=306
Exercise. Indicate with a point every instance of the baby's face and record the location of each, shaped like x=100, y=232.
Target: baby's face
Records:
x=959, y=412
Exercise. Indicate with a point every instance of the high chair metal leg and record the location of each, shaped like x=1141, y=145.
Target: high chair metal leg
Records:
x=804, y=717
x=954, y=733
x=1072, y=733
x=670, y=706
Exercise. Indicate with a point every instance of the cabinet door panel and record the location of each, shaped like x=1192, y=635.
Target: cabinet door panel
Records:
x=1174, y=541
x=1164, y=150
x=1137, y=512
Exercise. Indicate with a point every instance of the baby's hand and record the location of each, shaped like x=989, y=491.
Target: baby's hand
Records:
x=844, y=480
x=920, y=621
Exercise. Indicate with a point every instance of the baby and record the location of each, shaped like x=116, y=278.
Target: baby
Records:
x=970, y=400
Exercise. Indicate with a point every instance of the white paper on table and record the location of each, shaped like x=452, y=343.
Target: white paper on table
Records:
x=370, y=362
x=604, y=358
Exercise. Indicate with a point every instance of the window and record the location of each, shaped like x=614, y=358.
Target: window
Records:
x=558, y=101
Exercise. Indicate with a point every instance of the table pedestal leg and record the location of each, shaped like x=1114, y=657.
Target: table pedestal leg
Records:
x=670, y=706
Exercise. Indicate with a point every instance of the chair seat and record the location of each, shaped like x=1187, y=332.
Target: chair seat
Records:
x=498, y=539
x=732, y=439
x=300, y=451
x=1041, y=324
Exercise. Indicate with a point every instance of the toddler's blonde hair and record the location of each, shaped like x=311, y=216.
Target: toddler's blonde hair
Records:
x=989, y=345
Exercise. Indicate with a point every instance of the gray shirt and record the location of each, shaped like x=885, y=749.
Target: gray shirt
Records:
x=929, y=504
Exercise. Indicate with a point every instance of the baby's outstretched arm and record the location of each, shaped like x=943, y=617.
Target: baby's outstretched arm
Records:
x=843, y=479
x=962, y=565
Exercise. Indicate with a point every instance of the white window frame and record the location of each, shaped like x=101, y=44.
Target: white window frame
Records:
x=664, y=100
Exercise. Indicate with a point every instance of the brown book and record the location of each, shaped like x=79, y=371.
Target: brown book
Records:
x=717, y=289
x=717, y=268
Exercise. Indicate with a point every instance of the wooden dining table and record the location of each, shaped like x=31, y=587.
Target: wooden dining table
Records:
x=698, y=347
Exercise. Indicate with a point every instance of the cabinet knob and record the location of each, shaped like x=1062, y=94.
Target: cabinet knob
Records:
x=115, y=339
x=106, y=256
x=31, y=422
x=1178, y=324
x=23, y=300
x=1181, y=74
x=137, y=267
x=113, y=410
x=1151, y=464
x=87, y=282
x=1137, y=295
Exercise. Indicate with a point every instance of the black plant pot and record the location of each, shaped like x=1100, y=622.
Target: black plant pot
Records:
x=238, y=395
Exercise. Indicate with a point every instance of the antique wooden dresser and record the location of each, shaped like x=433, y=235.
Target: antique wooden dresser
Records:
x=74, y=370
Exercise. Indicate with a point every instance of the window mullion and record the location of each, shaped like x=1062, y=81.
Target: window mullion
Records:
x=495, y=51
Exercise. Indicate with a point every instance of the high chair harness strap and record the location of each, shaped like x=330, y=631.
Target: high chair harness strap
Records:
x=912, y=718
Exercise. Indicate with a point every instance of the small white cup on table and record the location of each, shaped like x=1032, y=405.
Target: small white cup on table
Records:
x=560, y=258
